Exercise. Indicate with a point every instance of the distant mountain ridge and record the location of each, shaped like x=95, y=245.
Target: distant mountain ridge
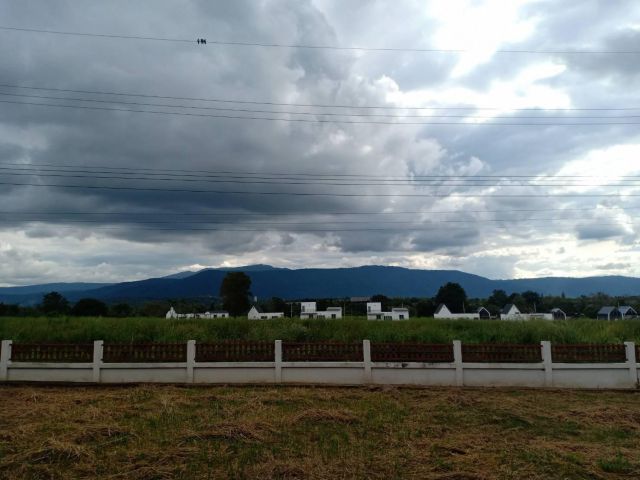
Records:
x=324, y=283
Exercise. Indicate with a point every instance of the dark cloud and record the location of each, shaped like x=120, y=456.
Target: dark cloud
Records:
x=124, y=244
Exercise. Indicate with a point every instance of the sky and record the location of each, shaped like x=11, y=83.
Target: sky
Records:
x=94, y=187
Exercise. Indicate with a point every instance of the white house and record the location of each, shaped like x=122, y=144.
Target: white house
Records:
x=616, y=313
x=627, y=312
x=256, y=313
x=443, y=312
x=309, y=310
x=218, y=314
x=511, y=312
x=374, y=312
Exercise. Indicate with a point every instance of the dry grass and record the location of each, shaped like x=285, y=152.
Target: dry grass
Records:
x=163, y=432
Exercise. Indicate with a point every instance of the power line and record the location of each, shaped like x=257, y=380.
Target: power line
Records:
x=330, y=114
x=314, y=105
x=307, y=120
x=280, y=174
x=307, y=213
x=335, y=222
x=325, y=194
x=324, y=229
x=316, y=47
x=287, y=182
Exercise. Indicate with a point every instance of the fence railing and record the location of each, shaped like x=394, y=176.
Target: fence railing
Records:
x=52, y=352
x=265, y=351
x=501, y=353
x=322, y=352
x=588, y=353
x=144, y=352
x=412, y=352
x=235, y=351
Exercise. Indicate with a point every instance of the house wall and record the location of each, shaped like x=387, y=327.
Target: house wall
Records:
x=527, y=316
x=457, y=316
x=329, y=314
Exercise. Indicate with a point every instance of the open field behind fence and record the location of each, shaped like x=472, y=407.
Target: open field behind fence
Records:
x=162, y=432
x=126, y=330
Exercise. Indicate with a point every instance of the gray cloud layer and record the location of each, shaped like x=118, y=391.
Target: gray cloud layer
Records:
x=59, y=247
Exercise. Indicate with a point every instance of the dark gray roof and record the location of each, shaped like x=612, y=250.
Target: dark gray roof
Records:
x=480, y=309
x=606, y=310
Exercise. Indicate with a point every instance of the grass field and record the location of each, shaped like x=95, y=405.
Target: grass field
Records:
x=74, y=329
x=162, y=432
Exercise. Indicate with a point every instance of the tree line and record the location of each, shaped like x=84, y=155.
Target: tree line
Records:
x=235, y=297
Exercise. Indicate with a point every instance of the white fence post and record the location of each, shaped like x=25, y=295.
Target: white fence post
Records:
x=97, y=359
x=457, y=360
x=5, y=357
x=278, y=361
x=632, y=362
x=366, y=357
x=191, y=359
x=548, y=363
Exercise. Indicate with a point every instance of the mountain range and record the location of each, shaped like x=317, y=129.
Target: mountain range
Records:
x=292, y=284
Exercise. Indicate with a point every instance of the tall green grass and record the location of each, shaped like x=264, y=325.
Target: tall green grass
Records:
x=75, y=329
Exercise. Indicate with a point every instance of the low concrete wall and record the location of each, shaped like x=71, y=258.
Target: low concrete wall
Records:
x=458, y=373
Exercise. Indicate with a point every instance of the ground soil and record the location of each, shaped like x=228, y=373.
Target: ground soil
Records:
x=218, y=432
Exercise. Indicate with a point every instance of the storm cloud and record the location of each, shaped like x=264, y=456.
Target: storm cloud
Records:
x=105, y=193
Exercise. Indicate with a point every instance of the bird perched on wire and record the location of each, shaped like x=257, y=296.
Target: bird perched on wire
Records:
x=202, y=41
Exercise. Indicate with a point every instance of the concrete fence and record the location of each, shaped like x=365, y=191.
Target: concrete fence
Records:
x=454, y=369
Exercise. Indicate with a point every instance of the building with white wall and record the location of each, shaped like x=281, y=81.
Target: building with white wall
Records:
x=309, y=310
x=256, y=313
x=512, y=312
x=374, y=312
x=616, y=313
x=443, y=312
x=216, y=314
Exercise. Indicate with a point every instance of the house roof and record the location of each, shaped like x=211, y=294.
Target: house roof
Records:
x=507, y=308
x=440, y=307
x=399, y=309
x=359, y=299
x=334, y=308
x=480, y=309
x=626, y=310
x=257, y=308
x=606, y=310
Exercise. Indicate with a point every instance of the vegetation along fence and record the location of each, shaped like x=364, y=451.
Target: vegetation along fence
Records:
x=234, y=361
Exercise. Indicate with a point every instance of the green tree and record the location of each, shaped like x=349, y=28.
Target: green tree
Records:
x=90, y=307
x=235, y=292
x=121, y=310
x=532, y=299
x=276, y=304
x=498, y=298
x=452, y=295
x=54, y=304
x=9, y=310
x=425, y=308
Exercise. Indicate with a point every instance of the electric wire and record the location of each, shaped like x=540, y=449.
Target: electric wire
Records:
x=313, y=47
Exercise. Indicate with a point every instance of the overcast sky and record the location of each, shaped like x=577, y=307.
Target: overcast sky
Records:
x=520, y=211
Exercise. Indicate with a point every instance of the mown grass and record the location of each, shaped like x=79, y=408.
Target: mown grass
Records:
x=74, y=329
x=162, y=432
